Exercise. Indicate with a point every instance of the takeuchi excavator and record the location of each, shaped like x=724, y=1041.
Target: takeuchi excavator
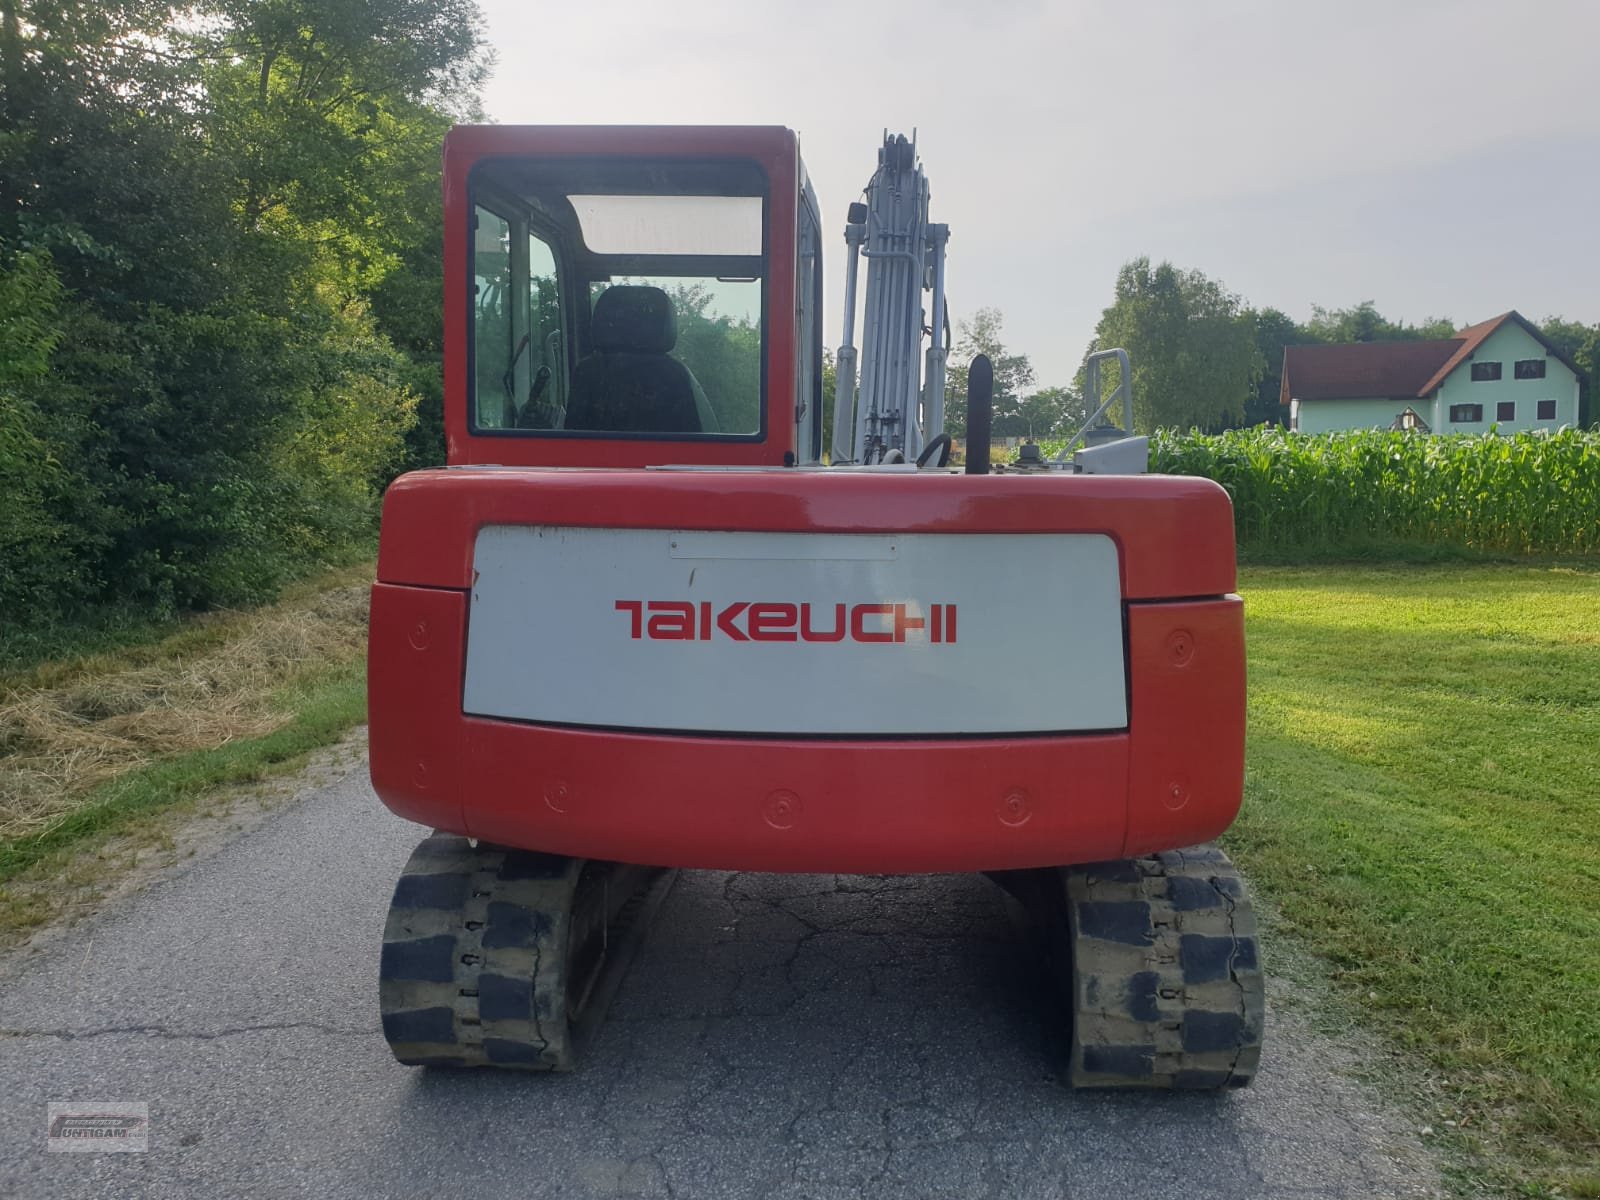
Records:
x=658, y=613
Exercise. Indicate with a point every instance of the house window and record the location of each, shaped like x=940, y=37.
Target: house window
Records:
x=1547, y=410
x=1529, y=368
x=1485, y=372
x=1505, y=410
x=1464, y=413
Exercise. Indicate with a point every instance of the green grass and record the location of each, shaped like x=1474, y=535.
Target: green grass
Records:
x=1422, y=804
x=325, y=707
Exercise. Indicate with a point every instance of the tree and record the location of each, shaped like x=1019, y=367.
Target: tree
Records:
x=1195, y=362
x=1013, y=375
x=1580, y=343
x=830, y=380
x=1273, y=330
x=1364, y=323
x=723, y=353
x=1050, y=411
x=230, y=208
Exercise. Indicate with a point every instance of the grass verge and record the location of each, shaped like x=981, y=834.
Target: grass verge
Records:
x=68, y=727
x=1421, y=805
x=91, y=746
x=325, y=708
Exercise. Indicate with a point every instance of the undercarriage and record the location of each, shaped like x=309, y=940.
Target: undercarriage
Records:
x=505, y=958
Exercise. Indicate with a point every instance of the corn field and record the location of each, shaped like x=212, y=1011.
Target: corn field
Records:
x=1520, y=494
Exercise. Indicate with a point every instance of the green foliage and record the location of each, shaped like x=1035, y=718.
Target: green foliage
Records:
x=1519, y=494
x=723, y=353
x=1049, y=411
x=1273, y=331
x=31, y=475
x=1193, y=347
x=1581, y=344
x=1364, y=323
x=219, y=293
x=1013, y=375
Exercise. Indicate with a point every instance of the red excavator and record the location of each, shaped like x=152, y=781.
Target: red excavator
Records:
x=653, y=615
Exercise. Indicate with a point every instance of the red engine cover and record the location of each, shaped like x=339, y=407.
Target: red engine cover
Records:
x=1171, y=777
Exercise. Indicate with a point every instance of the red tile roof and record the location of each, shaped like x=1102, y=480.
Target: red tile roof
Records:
x=1358, y=370
x=1390, y=370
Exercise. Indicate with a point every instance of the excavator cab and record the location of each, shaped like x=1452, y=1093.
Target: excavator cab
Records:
x=632, y=297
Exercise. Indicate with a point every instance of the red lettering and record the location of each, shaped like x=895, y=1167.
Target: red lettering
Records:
x=727, y=616
x=780, y=621
x=671, y=620
x=772, y=622
x=858, y=629
x=836, y=634
x=633, y=608
x=904, y=623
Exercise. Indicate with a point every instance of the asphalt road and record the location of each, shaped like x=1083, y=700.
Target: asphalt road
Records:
x=777, y=1037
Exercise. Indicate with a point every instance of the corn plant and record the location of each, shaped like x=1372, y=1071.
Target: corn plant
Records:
x=1521, y=493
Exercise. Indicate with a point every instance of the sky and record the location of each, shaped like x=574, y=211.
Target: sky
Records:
x=1439, y=157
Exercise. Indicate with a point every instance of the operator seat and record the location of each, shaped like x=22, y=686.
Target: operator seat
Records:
x=629, y=384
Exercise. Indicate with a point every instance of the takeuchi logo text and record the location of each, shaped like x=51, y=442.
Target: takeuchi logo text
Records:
x=778, y=621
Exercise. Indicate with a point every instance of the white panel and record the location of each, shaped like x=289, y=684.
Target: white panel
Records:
x=808, y=547
x=735, y=632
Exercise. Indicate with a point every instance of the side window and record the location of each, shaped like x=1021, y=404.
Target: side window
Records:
x=808, y=359
x=541, y=385
x=519, y=375
x=491, y=318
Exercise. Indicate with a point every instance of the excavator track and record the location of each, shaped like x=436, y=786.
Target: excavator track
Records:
x=1158, y=959
x=1167, y=989
x=505, y=958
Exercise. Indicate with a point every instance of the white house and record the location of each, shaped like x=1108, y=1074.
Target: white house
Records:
x=1500, y=374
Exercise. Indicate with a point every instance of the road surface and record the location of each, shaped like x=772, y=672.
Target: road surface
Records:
x=777, y=1037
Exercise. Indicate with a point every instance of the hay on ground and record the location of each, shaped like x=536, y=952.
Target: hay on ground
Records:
x=58, y=743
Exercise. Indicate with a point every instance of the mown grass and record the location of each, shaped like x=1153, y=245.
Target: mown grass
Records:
x=42, y=874
x=92, y=745
x=324, y=707
x=67, y=727
x=1423, y=804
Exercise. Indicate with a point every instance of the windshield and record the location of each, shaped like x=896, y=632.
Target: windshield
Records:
x=618, y=298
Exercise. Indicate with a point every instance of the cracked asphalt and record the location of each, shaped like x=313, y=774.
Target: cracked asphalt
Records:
x=777, y=1037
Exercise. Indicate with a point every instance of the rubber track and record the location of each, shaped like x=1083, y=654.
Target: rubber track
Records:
x=474, y=952
x=1167, y=989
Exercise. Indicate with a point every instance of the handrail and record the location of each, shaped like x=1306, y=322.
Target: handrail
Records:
x=1091, y=392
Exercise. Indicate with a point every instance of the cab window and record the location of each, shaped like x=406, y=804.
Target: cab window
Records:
x=619, y=298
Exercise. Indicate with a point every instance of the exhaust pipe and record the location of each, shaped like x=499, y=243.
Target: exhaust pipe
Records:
x=980, y=414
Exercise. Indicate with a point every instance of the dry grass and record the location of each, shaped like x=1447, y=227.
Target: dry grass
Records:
x=68, y=727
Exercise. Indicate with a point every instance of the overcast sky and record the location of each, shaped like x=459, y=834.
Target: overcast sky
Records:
x=1441, y=157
